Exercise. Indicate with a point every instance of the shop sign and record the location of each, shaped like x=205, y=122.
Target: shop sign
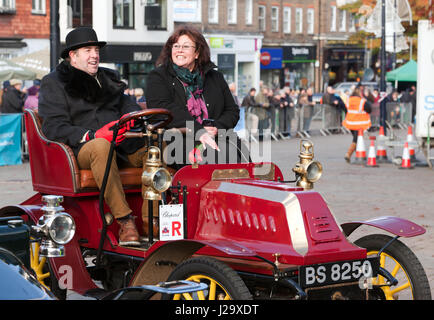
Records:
x=299, y=54
x=271, y=58
x=142, y=56
x=219, y=42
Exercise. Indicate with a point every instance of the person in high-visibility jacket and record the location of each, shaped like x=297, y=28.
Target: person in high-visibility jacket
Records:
x=357, y=118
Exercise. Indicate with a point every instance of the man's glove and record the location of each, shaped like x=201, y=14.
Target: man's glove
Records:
x=106, y=132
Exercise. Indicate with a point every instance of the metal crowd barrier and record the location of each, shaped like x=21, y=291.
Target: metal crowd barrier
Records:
x=304, y=120
x=399, y=114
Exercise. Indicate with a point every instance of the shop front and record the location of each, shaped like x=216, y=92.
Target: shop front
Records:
x=237, y=57
x=298, y=69
x=271, y=67
x=133, y=62
x=343, y=64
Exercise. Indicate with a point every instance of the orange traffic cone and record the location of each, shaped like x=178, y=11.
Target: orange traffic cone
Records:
x=410, y=140
x=406, y=162
x=360, y=149
x=381, y=150
x=372, y=159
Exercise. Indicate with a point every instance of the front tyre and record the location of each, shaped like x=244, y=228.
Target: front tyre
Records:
x=223, y=282
x=402, y=264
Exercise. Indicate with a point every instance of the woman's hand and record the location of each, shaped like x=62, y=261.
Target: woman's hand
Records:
x=212, y=131
x=207, y=139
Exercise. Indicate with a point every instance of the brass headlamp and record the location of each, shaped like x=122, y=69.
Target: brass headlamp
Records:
x=155, y=178
x=307, y=170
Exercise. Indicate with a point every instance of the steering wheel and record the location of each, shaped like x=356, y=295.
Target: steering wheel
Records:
x=149, y=119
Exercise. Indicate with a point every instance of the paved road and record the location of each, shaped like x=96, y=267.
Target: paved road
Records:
x=352, y=192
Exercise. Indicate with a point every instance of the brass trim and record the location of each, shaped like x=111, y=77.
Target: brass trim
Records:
x=224, y=174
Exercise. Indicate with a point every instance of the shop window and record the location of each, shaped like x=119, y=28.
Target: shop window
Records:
x=333, y=18
x=156, y=14
x=274, y=19
x=232, y=11
x=299, y=20
x=38, y=6
x=261, y=18
x=7, y=6
x=352, y=23
x=249, y=12
x=123, y=14
x=286, y=20
x=213, y=11
x=310, y=20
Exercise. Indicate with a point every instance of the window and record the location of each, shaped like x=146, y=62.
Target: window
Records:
x=232, y=11
x=38, y=6
x=274, y=19
x=7, y=6
x=261, y=18
x=342, y=20
x=352, y=23
x=310, y=20
x=286, y=20
x=299, y=20
x=333, y=18
x=123, y=13
x=249, y=11
x=213, y=11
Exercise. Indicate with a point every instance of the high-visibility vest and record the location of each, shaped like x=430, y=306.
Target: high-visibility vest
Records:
x=356, y=117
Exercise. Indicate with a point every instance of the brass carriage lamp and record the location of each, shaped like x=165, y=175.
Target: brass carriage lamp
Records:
x=155, y=178
x=55, y=226
x=308, y=170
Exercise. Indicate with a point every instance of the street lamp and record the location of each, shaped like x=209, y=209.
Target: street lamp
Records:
x=54, y=34
x=383, y=65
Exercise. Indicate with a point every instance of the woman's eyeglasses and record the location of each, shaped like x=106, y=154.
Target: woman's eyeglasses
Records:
x=184, y=47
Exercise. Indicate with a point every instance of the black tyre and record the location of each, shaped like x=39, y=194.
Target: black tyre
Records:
x=403, y=264
x=223, y=282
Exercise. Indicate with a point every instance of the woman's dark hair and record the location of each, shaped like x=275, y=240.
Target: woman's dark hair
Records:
x=198, y=39
x=356, y=92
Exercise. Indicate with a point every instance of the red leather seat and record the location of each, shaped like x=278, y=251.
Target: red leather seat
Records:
x=54, y=167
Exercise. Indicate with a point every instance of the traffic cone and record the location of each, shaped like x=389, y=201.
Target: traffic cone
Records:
x=406, y=162
x=360, y=149
x=381, y=150
x=372, y=159
x=410, y=139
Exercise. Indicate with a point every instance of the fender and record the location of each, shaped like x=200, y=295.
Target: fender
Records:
x=165, y=257
x=395, y=225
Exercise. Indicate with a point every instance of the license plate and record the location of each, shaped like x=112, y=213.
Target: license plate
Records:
x=319, y=275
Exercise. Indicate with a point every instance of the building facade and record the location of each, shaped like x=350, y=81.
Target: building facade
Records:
x=24, y=27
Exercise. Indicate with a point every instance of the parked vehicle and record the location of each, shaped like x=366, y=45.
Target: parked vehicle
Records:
x=241, y=229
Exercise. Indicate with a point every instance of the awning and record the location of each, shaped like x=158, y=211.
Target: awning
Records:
x=38, y=62
x=406, y=72
x=10, y=70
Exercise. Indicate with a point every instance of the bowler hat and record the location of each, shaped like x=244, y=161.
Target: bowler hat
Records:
x=81, y=37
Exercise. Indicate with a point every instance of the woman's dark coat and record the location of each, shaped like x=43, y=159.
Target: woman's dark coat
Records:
x=165, y=90
x=71, y=102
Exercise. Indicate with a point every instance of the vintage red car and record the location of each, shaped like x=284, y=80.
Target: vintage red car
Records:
x=240, y=229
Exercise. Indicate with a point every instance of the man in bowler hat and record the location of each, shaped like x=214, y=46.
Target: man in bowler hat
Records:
x=79, y=104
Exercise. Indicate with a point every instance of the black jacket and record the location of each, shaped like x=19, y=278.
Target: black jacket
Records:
x=165, y=90
x=12, y=101
x=71, y=102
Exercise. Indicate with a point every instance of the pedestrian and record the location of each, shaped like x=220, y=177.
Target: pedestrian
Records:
x=13, y=98
x=140, y=97
x=233, y=89
x=261, y=110
x=187, y=83
x=250, y=104
x=32, y=98
x=80, y=103
x=357, y=118
x=286, y=112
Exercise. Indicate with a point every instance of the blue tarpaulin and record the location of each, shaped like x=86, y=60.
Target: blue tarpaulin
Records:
x=10, y=139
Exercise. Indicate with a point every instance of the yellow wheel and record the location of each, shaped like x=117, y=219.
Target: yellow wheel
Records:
x=38, y=264
x=41, y=267
x=223, y=282
x=402, y=264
